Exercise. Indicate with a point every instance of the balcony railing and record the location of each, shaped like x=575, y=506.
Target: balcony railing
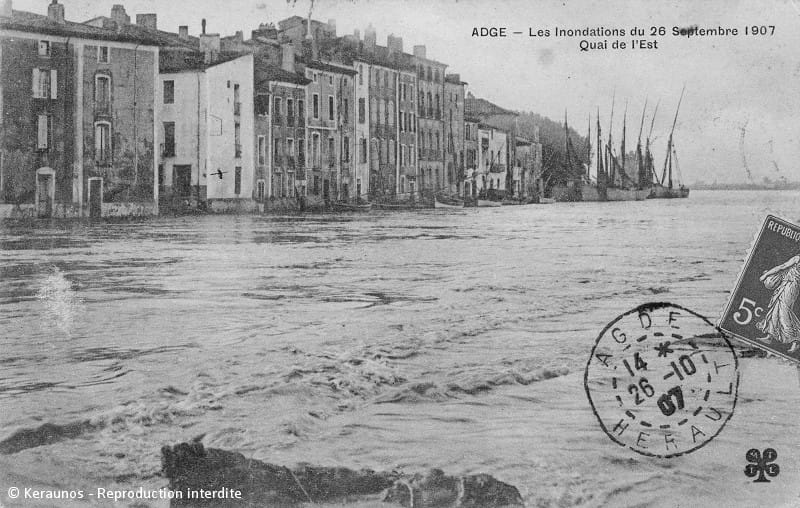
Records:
x=238, y=148
x=167, y=150
x=237, y=108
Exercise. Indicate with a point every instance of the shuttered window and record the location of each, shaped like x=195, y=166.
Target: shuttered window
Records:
x=43, y=130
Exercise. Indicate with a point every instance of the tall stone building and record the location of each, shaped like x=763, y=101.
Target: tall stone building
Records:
x=430, y=124
x=454, y=133
x=77, y=116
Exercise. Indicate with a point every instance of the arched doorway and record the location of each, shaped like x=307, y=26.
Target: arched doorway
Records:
x=45, y=191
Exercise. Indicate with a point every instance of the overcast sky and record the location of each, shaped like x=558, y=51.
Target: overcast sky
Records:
x=730, y=81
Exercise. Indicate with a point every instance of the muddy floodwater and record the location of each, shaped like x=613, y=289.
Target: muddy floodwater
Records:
x=454, y=339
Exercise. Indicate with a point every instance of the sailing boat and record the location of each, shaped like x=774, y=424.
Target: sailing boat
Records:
x=659, y=190
x=606, y=179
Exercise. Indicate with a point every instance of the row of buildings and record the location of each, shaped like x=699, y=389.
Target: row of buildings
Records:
x=112, y=116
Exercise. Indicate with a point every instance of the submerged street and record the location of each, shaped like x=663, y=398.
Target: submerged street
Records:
x=453, y=339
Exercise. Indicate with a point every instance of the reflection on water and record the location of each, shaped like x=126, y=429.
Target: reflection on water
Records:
x=452, y=339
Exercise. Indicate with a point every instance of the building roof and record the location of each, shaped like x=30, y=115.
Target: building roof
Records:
x=181, y=60
x=486, y=126
x=454, y=80
x=164, y=38
x=266, y=73
x=37, y=23
x=330, y=67
x=523, y=141
x=482, y=108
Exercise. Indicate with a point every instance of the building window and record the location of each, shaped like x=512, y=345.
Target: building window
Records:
x=276, y=110
x=262, y=104
x=390, y=113
x=344, y=82
x=45, y=83
x=237, y=140
x=237, y=105
x=331, y=152
x=362, y=110
x=346, y=149
x=290, y=152
x=276, y=152
x=262, y=150
x=44, y=131
x=315, y=155
x=168, y=150
x=346, y=114
x=315, y=77
x=330, y=80
x=362, y=152
x=373, y=110
x=301, y=152
x=102, y=93
x=315, y=106
x=289, y=108
x=102, y=142
x=237, y=180
x=169, y=91
x=103, y=54
x=360, y=74
x=44, y=48
x=260, y=185
x=330, y=108
x=300, y=109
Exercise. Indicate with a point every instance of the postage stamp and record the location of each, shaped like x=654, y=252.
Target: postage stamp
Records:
x=763, y=308
x=662, y=380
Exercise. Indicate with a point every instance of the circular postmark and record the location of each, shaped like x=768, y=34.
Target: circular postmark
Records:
x=662, y=380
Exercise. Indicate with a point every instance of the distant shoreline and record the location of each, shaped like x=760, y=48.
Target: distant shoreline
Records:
x=793, y=186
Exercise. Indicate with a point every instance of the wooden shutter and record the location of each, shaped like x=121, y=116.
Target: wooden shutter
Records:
x=53, y=84
x=35, y=83
x=41, y=142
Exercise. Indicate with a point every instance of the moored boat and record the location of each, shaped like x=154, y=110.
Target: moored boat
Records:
x=487, y=203
x=351, y=207
x=447, y=202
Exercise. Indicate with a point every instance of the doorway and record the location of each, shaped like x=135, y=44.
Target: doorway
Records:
x=45, y=192
x=95, y=197
x=183, y=181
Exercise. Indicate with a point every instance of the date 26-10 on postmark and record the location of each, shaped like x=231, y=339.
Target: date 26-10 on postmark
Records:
x=764, y=306
x=662, y=381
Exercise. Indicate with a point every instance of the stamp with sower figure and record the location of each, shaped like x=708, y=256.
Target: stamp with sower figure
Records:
x=763, y=307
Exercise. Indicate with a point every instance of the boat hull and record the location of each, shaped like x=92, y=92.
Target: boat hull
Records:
x=592, y=193
x=661, y=192
x=487, y=204
x=440, y=204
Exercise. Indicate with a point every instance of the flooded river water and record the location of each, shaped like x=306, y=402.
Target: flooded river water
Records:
x=453, y=339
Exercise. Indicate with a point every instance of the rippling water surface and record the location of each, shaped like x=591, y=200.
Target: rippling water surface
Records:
x=452, y=339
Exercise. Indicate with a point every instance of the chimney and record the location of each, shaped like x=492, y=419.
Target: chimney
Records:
x=118, y=15
x=419, y=51
x=203, y=26
x=209, y=45
x=370, y=38
x=287, y=57
x=183, y=32
x=6, y=9
x=55, y=11
x=395, y=44
x=149, y=21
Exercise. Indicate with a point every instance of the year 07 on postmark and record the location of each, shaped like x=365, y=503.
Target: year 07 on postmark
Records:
x=763, y=308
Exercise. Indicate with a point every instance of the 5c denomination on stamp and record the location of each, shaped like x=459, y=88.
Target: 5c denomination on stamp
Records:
x=763, y=307
x=661, y=380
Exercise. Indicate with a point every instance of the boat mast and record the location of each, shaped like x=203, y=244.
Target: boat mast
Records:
x=589, y=151
x=622, y=147
x=639, y=165
x=566, y=145
x=609, y=157
x=601, y=173
x=648, y=155
x=669, y=143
